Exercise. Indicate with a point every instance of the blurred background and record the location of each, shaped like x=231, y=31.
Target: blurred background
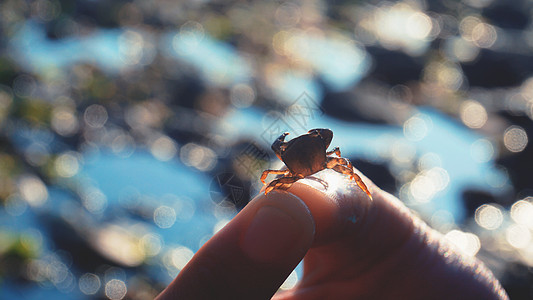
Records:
x=131, y=131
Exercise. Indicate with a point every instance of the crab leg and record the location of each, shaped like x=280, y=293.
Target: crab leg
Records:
x=361, y=184
x=282, y=183
x=335, y=150
x=344, y=166
x=333, y=161
x=277, y=172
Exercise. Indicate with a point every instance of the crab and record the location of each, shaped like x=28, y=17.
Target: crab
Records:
x=306, y=155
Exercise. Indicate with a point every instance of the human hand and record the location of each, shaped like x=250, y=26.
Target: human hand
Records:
x=353, y=248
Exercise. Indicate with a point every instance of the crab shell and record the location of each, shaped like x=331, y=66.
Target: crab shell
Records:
x=306, y=154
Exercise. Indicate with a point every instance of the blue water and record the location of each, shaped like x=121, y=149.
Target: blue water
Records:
x=341, y=65
x=30, y=48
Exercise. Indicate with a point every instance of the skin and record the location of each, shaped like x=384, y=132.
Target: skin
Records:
x=353, y=248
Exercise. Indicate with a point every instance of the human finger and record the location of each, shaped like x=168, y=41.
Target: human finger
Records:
x=252, y=255
x=361, y=244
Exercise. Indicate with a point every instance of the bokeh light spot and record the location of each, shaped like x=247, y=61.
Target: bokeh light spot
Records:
x=95, y=116
x=119, y=245
x=33, y=190
x=67, y=165
x=445, y=74
x=152, y=244
x=64, y=121
x=164, y=216
x=422, y=188
x=242, y=95
x=123, y=145
x=56, y=271
x=89, y=283
x=522, y=212
x=489, y=216
x=515, y=138
x=473, y=114
x=190, y=36
x=24, y=86
x=115, y=289
x=94, y=200
x=36, y=270
x=200, y=157
x=163, y=148
x=131, y=47
x=461, y=49
x=484, y=35
x=288, y=14
x=439, y=176
x=181, y=256
x=416, y=128
x=418, y=25
x=467, y=25
x=427, y=183
x=518, y=236
x=401, y=26
x=467, y=242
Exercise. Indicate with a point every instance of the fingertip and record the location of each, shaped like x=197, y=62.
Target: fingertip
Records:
x=252, y=255
x=282, y=226
x=337, y=203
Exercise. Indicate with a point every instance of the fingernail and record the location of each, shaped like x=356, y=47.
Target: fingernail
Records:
x=280, y=227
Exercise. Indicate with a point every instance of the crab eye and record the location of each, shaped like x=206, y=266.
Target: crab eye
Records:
x=324, y=133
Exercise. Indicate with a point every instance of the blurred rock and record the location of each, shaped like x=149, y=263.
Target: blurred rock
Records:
x=512, y=14
x=394, y=67
x=497, y=69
